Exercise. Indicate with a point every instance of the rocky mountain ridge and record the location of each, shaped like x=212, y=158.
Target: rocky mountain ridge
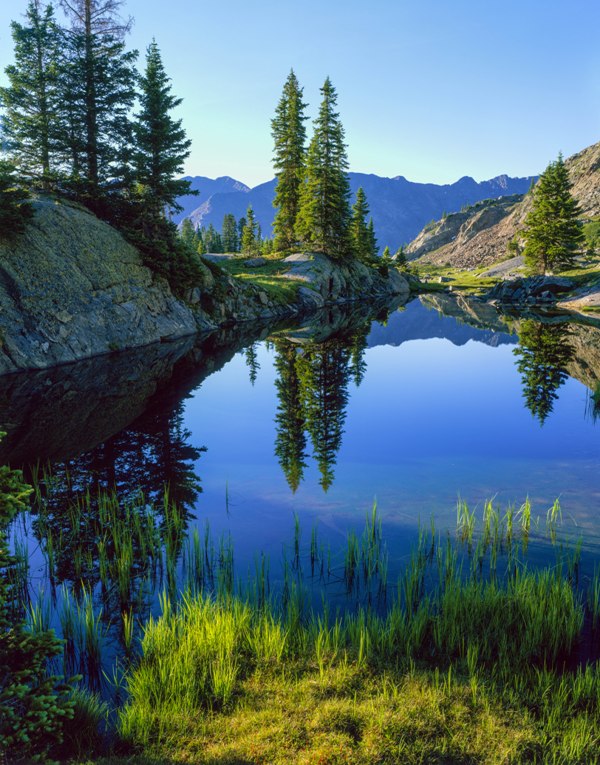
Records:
x=483, y=236
x=400, y=208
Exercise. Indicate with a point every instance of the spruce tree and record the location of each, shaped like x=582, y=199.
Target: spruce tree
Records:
x=229, y=234
x=289, y=137
x=14, y=207
x=553, y=233
x=324, y=215
x=97, y=93
x=249, y=244
x=161, y=143
x=359, y=230
x=400, y=257
x=290, y=442
x=31, y=99
x=187, y=232
x=373, y=245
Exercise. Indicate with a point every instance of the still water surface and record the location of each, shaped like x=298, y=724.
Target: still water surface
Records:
x=439, y=399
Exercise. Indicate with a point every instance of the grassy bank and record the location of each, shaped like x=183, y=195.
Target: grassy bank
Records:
x=471, y=658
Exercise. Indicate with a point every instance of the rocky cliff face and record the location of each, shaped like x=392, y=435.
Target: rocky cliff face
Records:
x=71, y=288
x=481, y=241
x=453, y=232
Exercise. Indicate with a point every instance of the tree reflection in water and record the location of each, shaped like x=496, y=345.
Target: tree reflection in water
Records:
x=543, y=353
x=312, y=391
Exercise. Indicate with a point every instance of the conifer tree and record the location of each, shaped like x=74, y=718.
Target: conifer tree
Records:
x=359, y=230
x=161, y=143
x=387, y=254
x=543, y=353
x=14, y=209
x=229, y=234
x=324, y=215
x=31, y=99
x=553, y=232
x=289, y=137
x=290, y=443
x=98, y=91
x=373, y=245
x=400, y=257
x=241, y=224
x=249, y=245
x=187, y=232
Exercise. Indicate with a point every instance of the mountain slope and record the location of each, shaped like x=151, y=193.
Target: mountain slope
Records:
x=481, y=240
x=207, y=187
x=400, y=208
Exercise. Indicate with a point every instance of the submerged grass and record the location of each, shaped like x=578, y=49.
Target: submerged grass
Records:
x=468, y=663
x=472, y=658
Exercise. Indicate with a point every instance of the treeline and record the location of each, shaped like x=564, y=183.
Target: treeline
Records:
x=79, y=120
x=312, y=195
x=243, y=236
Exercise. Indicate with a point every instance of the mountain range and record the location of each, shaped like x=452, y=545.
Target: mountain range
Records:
x=400, y=208
x=481, y=235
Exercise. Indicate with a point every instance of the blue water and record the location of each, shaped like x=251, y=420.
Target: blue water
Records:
x=440, y=413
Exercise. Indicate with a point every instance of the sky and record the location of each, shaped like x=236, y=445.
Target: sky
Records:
x=429, y=89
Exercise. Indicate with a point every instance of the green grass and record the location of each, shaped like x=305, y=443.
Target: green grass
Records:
x=269, y=277
x=470, y=662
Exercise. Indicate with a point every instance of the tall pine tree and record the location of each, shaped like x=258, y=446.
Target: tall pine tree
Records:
x=359, y=229
x=553, y=233
x=289, y=137
x=98, y=84
x=324, y=215
x=229, y=233
x=161, y=143
x=250, y=242
x=31, y=99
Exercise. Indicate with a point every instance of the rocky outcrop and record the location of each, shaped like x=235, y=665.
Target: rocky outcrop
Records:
x=323, y=280
x=72, y=288
x=454, y=231
x=489, y=244
x=533, y=289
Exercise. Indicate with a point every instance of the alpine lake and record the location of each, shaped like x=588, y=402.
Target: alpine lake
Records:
x=259, y=459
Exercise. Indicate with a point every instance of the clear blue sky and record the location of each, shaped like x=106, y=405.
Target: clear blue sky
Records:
x=428, y=89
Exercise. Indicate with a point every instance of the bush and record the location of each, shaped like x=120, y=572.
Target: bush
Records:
x=34, y=704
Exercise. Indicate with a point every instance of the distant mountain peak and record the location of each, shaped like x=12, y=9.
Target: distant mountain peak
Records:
x=400, y=208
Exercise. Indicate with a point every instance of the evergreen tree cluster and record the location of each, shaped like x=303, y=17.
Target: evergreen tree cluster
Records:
x=78, y=119
x=312, y=195
x=243, y=236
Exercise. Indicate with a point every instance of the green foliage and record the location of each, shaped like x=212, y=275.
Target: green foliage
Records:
x=189, y=235
x=544, y=352
x=34, y=704
x=467, y=664
x=250, y=243
x=360, y=234
x=400, y=258
x=324, y=215
x=161, y=143
x=31, y=99
x=229, y=234
x=14, y=207
x=553, y=233
x=97, y=90
x=165, y=253
x=289, y=137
